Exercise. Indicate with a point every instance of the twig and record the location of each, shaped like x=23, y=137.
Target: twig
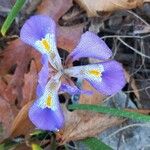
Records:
x=128, y=126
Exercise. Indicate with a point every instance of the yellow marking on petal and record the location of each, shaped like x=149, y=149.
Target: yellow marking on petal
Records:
x=49, y=101
x=46, y=45
x=96, y=73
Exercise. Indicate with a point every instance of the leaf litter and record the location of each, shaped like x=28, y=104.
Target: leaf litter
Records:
x=19, y=67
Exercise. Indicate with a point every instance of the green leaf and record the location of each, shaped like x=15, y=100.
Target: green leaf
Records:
x=95, y=144
x=40, y=134
x=11, y=16
x=111, y=111
x=8, y=144
x=37, y=132
x=36, y=147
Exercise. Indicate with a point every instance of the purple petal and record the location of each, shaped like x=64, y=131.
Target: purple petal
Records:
x=44, y=73
x=46, y=119
x=113, y=79
x=44, y=59
x=39, y=90
x=107, y=77
x=39, y=32
x=35, y=28
x=91, y=45
x=72, y=90
x=43, y=76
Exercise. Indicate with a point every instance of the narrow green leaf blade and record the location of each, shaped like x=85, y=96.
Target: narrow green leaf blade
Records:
x=95, y=144
x=11, y=16
x=111, y=111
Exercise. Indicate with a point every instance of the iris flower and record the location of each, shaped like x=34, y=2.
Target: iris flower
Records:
x=107, y=76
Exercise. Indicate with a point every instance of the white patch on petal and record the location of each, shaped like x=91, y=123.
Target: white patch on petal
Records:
x=47, y=45
x=91, y=72
x=50, y=96
x=49, y=101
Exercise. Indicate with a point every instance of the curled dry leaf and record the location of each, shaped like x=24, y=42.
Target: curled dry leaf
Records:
x=22, y=124
x=68, y=37
x=80, y=125
x=14, y=54
x=3, y=86
x=96, y=7
x=6, y=118
x=30, y=82
x=54, y=8
x=14, y=62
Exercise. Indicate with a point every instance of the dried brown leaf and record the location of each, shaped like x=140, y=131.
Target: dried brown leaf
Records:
x=3, y=86
x=15, y=82
x=93, y=8
x=30, y=82
x=6, y=118
x=95, y=98
x=54, y=8
x=68, y=37
x=22, y=124
x=16, y=54
x=80, y=125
